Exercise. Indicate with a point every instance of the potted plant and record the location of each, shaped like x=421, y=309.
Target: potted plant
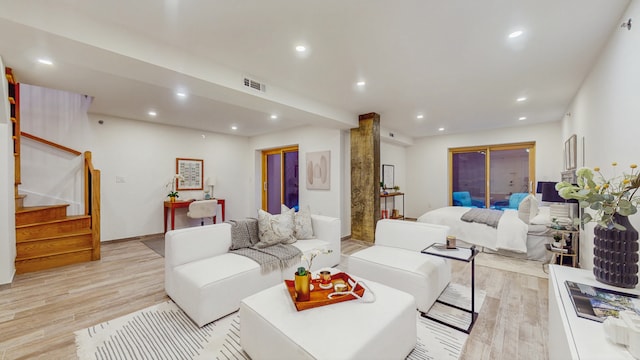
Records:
x=171, y=185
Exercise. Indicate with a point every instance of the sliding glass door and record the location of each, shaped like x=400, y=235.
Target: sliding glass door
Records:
x=280, y=178
x=487, y=176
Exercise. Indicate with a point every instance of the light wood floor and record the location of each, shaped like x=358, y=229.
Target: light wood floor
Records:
x=40, y=311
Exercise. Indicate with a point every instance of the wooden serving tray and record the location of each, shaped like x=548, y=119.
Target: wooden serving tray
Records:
x=319, y=296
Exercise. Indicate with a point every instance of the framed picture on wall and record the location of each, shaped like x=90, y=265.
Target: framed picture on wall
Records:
x=388, y=175
x=570, y=149
x=319, y=170
x=191, y=172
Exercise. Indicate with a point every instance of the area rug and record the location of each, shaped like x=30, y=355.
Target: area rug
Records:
x=163, y=331
x=522, y=266
x=155, y=244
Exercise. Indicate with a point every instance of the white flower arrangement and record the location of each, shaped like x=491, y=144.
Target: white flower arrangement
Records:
x=308, y=258
x=171, y=185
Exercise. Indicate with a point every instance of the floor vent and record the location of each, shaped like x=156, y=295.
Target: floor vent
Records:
x=255, y=85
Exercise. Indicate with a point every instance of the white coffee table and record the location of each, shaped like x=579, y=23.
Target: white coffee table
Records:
x=272, y=328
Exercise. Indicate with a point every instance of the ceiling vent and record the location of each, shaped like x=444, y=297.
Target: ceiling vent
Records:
x=255, y=85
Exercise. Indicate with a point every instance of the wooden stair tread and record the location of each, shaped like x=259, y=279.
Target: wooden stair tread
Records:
x=76, y=250
x=38, y=208
x=68, y=218
x=53, y=237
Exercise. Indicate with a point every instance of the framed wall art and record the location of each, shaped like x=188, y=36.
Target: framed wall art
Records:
x=388, y=174
x=191, y=174
x=319, y=170
x=570, y=149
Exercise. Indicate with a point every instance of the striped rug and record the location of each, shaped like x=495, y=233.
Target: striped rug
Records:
x=164, y=332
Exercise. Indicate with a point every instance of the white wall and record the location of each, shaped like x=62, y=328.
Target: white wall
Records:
x=427, y=161
x=308, y=139
x=7, y=206
x=143, y=156
x=605, y=113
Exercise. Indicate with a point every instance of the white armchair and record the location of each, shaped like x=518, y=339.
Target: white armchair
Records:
x=395, y=260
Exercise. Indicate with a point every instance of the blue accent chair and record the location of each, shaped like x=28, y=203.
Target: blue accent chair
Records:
x=463, y=198
x=512, y=203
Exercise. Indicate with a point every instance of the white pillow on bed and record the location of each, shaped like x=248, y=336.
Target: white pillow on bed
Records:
x=528, y=208
x=543, y=217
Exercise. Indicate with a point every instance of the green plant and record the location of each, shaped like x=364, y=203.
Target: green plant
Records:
x=605, y=196
x=302, y=271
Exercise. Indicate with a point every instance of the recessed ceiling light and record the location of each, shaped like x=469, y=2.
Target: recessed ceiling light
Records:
x=234, y=127
x=274, y=116
x=45, y=61
x=522, y=118
x=440, y=129
x=521, y=99
x=301, y=48
x=515, y=34
x=152, y=113
x=420, y=116
x=181, y=94
x=361, y=83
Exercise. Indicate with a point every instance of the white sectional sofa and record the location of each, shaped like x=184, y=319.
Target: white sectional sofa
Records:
x=208, y=282
x=395, y=260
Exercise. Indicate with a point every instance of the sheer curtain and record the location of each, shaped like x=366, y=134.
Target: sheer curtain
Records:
x=50, y=175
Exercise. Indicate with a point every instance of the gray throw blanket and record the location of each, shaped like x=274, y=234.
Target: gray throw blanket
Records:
x=244, y=235
x=275, y=257
x=489, y=217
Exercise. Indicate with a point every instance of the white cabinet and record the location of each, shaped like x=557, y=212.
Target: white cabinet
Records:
x=573, y=337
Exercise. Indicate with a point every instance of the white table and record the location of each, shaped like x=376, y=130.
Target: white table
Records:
x=573, y=337
x=272, y=328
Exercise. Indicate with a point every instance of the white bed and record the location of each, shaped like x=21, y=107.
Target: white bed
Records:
x=512, y=236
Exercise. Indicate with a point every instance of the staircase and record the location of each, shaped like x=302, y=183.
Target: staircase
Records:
x=46, y=237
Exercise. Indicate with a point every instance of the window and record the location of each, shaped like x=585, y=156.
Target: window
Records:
x=490, y=174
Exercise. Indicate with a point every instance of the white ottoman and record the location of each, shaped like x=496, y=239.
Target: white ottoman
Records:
x=272, y=328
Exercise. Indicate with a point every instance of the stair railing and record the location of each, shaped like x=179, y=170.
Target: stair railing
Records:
x=91, y=190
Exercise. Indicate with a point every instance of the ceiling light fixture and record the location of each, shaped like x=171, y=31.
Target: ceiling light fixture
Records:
x=274, y=116
x=522, y=118
x=45, y=61
x=361, y=83
x=181, y=94
x=515, y=34
x=521, y=99
x=233, y=127
x=440, y=129
x=301, y=48
x=152, y=113
x=420, y=116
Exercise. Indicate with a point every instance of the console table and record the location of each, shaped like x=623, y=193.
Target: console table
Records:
x=393, y=195
x=573, y=337
x=172, y=206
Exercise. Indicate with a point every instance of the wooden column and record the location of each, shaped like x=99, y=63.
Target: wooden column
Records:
x=365, y=177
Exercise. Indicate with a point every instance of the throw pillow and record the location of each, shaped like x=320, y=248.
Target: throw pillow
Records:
x=275, y=229
x=528, y=208
x=543, y=217
x=303, y=227
x=240, y=235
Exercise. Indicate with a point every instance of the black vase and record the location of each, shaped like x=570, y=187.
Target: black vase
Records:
x=615, y=254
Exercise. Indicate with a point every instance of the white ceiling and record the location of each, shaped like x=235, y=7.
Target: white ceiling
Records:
x=450, y=60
